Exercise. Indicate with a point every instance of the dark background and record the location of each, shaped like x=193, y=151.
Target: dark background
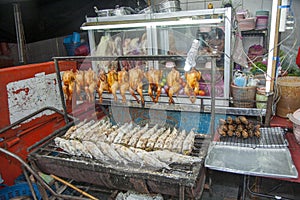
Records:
x=46, y=19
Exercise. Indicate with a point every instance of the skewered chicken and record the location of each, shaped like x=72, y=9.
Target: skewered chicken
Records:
x=112, y=80
x=102, y=84
x=79, y=83
x=135, y=83
x=192, y=87
x=154, y=77
x=173, y=84
x=123, y=81
x=90, y=84
x=68, y=84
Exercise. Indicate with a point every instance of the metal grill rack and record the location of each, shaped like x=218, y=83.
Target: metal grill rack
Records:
x=271, y=137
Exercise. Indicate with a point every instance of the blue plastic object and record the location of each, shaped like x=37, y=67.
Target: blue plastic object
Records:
x=18, y=190
x=75, y=37
x=70, y=47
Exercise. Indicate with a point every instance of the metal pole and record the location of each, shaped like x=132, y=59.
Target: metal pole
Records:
x=20, y=33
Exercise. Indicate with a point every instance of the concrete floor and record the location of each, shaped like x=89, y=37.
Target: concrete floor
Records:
x=225, y=186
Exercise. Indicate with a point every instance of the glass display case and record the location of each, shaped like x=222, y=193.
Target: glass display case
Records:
x=162, y=41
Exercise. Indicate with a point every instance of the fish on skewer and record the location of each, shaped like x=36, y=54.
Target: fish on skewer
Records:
x=161, y=140
x=150, y=160
x=144, y=138
x=110, y=152
x=177, y=145
x=172, y=157
x=128, y=154
x=153, y=138
x=126, y=138
x=111, y=137
x=135, y=138
x=122, y=132
x=170, y=140
x=95, y=151
x=188, y=143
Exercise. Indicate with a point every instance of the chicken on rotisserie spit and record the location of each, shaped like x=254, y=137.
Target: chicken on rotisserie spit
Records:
x=136, y=83
x=192, y=87
x=173, y=83
x=90, y=84
x=102, y=84
x=123, y=81
x=68, y=79
x=112, y=80
x=154, y=77
x=79, y=83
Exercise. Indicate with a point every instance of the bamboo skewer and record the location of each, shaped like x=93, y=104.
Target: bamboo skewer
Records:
x=73, y=187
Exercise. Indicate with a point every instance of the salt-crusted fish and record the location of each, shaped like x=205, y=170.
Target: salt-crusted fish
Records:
x=135, y=138
x=172, y=157
x=111, y=137
x=72, y=129
x=110, y=152
x=161, y=139
x=149, y=159
x=65, y=145
x=94, y=150
x=121, y=133
x=170, y=140
x=188, y=143
x=153, y=138
x=81, y=150
x=144, y=138
x=177, y=144
x=80, y=132
x=128, y=154
x=128, y=135
x=90, y=131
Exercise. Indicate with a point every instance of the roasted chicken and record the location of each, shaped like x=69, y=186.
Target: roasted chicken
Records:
x=102, y=84
x=90, y=84
x=79, y=83
x=136, y=83
x=123, y=81
x=112, y=80
x=173, y=84
x=154, y=77
x=68, y=79
x=192, y=87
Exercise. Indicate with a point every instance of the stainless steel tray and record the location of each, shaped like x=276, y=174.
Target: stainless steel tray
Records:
x=267, y=156
x=249, y=161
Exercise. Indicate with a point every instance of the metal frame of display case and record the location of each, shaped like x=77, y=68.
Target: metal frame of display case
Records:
x=151, y=22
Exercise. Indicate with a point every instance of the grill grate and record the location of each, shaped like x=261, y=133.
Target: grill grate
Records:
x=271, y=137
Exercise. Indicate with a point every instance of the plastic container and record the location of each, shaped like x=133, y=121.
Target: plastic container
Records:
x=289, y=95
x=70, y=47
x=295, y=118
x=18, y=190
x=243, y=97
x=76, y=37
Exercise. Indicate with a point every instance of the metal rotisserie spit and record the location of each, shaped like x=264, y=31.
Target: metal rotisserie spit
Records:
x=146, y=159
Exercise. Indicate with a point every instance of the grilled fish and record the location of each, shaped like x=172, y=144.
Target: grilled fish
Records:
x=126, y=138
x=110, y=152
x=170, y=140
x=144, y=138
x=177, y=145
x=153, y=138
x=171, y=157
x=135, y=138
x=161, y=140
x=150, y=160
x=188, y=143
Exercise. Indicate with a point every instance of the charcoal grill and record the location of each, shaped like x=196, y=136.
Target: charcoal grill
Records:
x=265, y=156
x=182, y=180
